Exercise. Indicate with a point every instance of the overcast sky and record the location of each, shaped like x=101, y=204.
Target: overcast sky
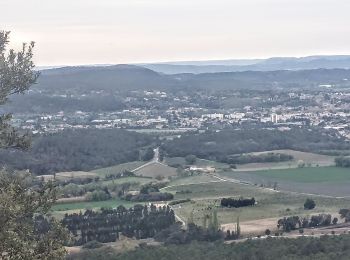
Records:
x=71, y=32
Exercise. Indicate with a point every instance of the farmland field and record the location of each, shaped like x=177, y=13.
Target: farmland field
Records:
x=310, y=174
x=75, y=174
x=119, y=168
x=205, y=191
x=270, y=204
x=213, y=190
x=310, y=159
x=198, y=163
x=196, y=179
x=155, y=169
x=331, y=181
x=138, y=180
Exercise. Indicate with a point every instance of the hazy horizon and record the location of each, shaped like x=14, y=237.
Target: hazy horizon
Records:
x=83, y=32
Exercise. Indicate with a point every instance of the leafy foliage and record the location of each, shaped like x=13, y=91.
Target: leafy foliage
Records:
x=16, y=76
x=25, y=231
x=175, y=234
x=342, y=162
x=309, y=204
x=190, y=159
x=295, y=222
x=345, y=214
x=259, y=158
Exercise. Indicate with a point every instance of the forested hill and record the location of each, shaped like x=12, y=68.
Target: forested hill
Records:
x=119, y=77
x=84, y=149
x=129, y=77
x=220, y=146
x=267, y=79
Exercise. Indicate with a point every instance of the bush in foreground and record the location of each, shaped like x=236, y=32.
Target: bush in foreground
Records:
x=303, y=248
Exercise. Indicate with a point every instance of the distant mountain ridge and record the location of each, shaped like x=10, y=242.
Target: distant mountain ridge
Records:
x=131, y=77
x=270, y=64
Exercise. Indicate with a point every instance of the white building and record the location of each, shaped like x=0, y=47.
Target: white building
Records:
x=214, y=116
x=274, y=118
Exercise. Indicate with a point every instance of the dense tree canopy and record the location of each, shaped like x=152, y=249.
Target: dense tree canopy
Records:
x=222, y=145
x=26, y=232
x=104, y=226
x=237, y=203
x=303, y=248
x=309, y=204
x=84, y=149
x=343, y=161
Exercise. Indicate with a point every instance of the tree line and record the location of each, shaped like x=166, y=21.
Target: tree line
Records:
x=177, y=235
x=345, y=214
x=256, y=158
x=342, y=161
x=225, y=144
x=107, y=225
x=237, y=203
x=295, y=222
x=74, y=187
x=150, y=192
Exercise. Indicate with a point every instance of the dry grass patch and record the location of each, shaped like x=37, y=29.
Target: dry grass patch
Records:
x=310, y=159
x=156, y=169
x=77, y=174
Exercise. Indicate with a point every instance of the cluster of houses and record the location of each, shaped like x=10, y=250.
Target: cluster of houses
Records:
x=328, y=110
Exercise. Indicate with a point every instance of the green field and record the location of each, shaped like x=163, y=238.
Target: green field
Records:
x=270, y=204
x=212, y=190
x=192, y=180
x=138, y=180
x=312, y=174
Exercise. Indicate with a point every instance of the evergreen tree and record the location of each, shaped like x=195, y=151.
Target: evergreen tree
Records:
x=16, y=76
x=190, y=218
x=205, y=221
x=215, y=220
x=26, y=231
x=238, y=228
